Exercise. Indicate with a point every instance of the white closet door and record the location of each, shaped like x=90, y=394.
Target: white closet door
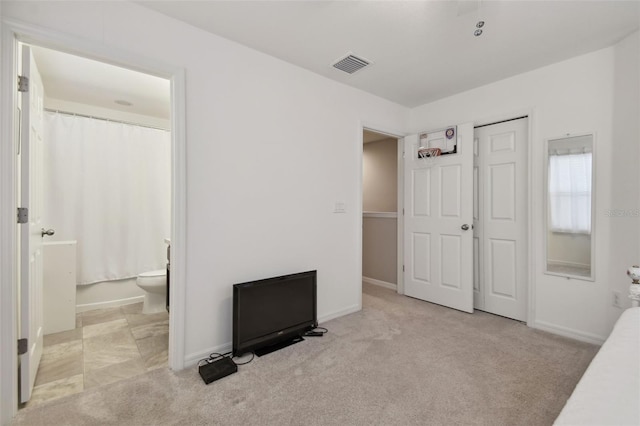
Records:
x=500, y=219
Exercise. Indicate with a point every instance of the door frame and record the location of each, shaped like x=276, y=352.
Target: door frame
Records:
x=533, y=215
x=397, y=134
x=13, y=33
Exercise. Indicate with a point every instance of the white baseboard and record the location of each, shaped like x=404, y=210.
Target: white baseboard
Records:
x=192, y=359
x=109, y=304
x=333, y=315
x=569, y=332
x=380, y=283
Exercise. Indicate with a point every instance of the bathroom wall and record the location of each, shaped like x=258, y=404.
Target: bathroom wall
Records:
x=106, y=294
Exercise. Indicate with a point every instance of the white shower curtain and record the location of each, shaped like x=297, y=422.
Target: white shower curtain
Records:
x=108, y=186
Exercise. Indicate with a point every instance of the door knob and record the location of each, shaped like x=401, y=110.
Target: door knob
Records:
x=48, y=232
x=464, y=227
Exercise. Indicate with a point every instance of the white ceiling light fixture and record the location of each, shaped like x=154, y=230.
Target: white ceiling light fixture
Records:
x=350, y=63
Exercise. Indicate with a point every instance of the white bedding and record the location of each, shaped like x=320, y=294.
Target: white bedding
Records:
x=609, y=391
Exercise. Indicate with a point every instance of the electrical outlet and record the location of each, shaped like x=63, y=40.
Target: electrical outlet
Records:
x=616, y=299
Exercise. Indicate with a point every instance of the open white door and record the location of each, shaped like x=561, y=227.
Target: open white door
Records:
x=438, y=204
x=31, y=232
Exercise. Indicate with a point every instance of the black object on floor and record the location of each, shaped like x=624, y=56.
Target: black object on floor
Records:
x=283, y=344
x=222, y=367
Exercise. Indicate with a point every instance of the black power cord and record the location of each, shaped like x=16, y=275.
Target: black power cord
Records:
x=316, y=332
x=246, y=362
x=214, y=356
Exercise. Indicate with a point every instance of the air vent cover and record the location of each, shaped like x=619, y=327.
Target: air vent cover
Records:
x=350, y=63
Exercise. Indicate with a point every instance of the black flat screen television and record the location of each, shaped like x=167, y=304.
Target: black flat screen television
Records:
x=273, y=311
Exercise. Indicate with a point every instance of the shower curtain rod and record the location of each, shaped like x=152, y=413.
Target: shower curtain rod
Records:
x=57, y=111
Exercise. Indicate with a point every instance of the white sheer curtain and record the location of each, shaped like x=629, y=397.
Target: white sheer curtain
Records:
x=570, y=192
x=108, y=186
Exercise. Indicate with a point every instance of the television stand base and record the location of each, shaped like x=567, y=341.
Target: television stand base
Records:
x=277, y=346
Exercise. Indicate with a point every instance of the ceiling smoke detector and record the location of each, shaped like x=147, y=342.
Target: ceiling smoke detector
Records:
x=350, y=63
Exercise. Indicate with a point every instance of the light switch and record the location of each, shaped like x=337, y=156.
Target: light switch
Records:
x=339, y=207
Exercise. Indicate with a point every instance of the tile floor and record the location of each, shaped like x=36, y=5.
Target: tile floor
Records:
x=106, y=346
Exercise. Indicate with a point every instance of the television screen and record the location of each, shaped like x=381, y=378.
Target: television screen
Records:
x=272, y=310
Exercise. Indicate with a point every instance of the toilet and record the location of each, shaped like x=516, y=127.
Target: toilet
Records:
x=154, y=284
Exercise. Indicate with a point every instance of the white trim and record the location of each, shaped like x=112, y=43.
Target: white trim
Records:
x=380, y=283
x=594, y=195
x=109, y=304
x=533, y=188
x=396, y=134
x=359, y=210
x=178, y=260
x=193, y=358
x=569, y=332
x=380, y=215
x=400, y=222
x=12, y=33
x=8, y=232
x=337, y=314
x=392, y=133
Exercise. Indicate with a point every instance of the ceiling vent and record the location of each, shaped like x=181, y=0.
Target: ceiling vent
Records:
x=350, y=63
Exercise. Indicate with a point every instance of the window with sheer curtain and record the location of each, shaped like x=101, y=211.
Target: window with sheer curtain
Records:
x=570, y=192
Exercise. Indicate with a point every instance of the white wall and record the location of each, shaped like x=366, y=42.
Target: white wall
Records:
x=379, y=249
x=577, y=95
x=624, y=214
x=270, y=148
x=380, y=176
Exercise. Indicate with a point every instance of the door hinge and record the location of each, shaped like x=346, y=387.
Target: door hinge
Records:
x=23, y=83
x=23, y=215
x=23, y=346
x=402, y=268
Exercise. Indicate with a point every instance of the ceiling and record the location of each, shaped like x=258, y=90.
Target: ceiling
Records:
x=421, y=50
x=76, y=79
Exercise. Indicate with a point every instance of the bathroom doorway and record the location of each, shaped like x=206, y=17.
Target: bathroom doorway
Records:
x=106, y=158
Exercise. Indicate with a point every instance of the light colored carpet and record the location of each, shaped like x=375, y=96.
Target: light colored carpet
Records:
x=399, y=361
